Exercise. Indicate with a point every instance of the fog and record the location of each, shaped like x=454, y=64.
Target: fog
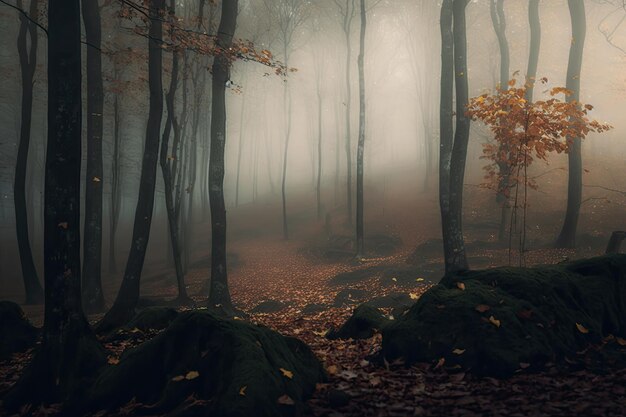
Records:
x=402, y=69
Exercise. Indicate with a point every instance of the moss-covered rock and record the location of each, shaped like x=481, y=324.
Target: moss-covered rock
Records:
x=494, y=320
x=350, y=297
x=393, y=300
x=16, y=332
x=234, y=368
x=153, y=318
x=269, y=306
x=363, y=323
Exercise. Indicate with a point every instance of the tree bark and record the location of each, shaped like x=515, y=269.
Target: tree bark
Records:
x=128, y=296
x=347, y=26
x=116, y=189
x=219, y=295
x=28, y=65
x=93, y=298
x=360, y=238
x=69, y=350
x=287, y=107
x=453, y=144
x=567, y=237
x=535, y=47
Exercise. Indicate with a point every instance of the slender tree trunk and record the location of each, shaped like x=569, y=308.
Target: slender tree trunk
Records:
x=166, y=170
x=567, y=237
x=319, y=150
x=116, y=189
x=69, y=350
x=287, y=107
x=28, y=65
x=535, y=47
x=453, y=144
x=93, y=299
x=128, y=296
x=240, y=147
x=360, y=238
x=348, y=143
x=219, y=295
x=498, y=20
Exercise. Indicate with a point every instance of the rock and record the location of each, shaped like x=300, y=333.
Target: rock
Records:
x=269, y=306
x=491, y=321
x=314, y=308
x=349, y=297
x=152, y=318
x=363, y=323
x=232, y=367
x=17, y=334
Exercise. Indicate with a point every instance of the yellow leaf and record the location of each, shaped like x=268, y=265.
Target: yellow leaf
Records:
x=413, y=296
x=394, y=279
x=582, y=328
x=494, y=321
x=285, y=400
x=620, y=341
x=320, y=334
x=242, y=390
x=286, y=373
x=178, y=378
x=458, y=351
x=419, y=279
x=460, y=286
x=192, y=375
x=332, y=369
x=96, y=179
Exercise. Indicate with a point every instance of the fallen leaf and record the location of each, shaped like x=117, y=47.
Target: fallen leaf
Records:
x=419, y=279
x=494, y=321
x=440, y=363
x=582, y=328
x=460, y=286
x=63, y=225
x=375, y=381
x=112, y=360
x=458, y=351
x=524, y=365
x=286, y=373
x=285, y=400
x=332, y=369
x=620, y=341
x=413, y=296
x=178, y=378
x=242, y=390
x=481, y=308
x=192, y=375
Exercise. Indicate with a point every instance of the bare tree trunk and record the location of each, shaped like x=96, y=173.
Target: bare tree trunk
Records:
x=535, y=47
x=240, y=147
x=287, y=107
x=219, y=295
x=116, y=189
x=567, y=237
x=128, y=296
x=319, y=149
x=28, y=65
x=69, y=350
x=93, y=298
x=360, y=238
x=347, y=25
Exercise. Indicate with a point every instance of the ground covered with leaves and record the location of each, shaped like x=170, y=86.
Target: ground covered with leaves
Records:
x=307, y=288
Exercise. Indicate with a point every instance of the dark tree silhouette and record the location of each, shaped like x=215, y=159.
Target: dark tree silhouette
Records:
x=28, y=65
x=69, y=349
x=219, y=295
x=128, y=296
x=93, y=299
x=567, y=237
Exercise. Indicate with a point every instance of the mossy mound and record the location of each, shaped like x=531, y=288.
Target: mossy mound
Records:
x=393, y=300
x=16, y=332
x=497, y=321
x=350, y=297
x=314, y=308
x=153, y=318
x=269, y=306
x=363, y=323
x=232, y=368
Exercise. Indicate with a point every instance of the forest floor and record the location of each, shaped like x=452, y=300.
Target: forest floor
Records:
x=269, y=268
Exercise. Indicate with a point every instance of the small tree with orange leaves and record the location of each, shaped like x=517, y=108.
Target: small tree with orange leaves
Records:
x=524, y=132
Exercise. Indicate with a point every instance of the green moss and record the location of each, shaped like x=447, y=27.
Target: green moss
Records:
x=363, y=323
x=228, y=355
x=538, y=310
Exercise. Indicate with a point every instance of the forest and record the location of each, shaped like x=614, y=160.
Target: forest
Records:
x=242, y=208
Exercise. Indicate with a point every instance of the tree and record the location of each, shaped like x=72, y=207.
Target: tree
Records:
x=28, y=65
x=360, y=239
x=535, y=47
x=219, y=295
x=93, y=299
x=69, y=349
x=128, y=296
x=529, y=131
x=567, y=236
x=454, y=141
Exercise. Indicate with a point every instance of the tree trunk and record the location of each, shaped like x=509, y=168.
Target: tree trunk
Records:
x=240, y=147
x=453, y=144
x=348, y=143
x=287, y=108
x=219, y=295
x=93, y=299
x=28, y=65
x=535, y=47
x=128, y=296
x=360, y=238
x=166, y=170
x=69, y=350
x=567, y=237
x=319, y=149
x=116, y=189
